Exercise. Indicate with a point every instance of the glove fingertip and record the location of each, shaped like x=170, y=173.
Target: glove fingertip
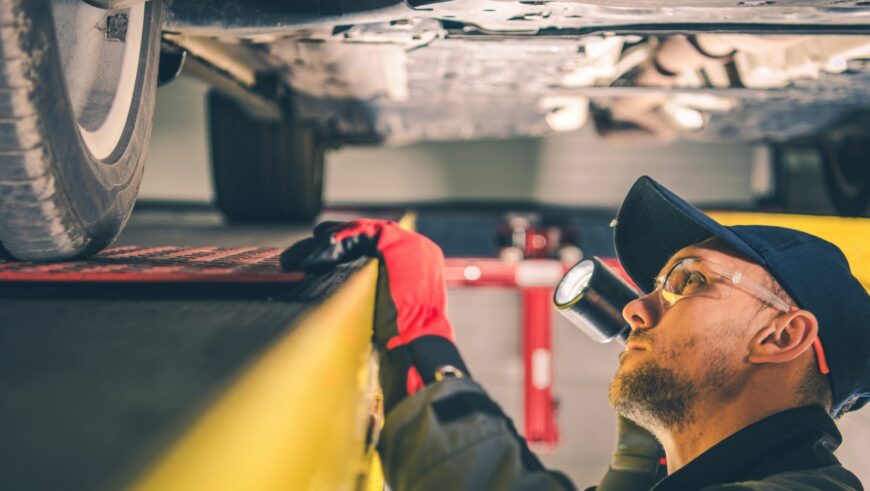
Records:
x=327, y=227
x=294, y=257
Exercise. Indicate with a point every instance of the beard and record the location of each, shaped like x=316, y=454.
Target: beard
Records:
x=654, y=397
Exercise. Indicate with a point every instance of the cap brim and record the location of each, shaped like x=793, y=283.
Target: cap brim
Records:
x=654, y=223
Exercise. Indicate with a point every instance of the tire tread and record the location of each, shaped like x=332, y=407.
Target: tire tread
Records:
x=35, y=220
x=264, y=171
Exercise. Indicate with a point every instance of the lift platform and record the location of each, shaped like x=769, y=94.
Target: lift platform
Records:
x=178, y=367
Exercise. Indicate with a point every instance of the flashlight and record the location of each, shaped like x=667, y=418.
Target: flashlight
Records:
x=592, y=296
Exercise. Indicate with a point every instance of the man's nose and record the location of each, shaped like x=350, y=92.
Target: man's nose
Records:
x=643, y=312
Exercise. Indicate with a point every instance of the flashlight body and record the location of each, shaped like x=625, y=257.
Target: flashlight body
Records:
x=595, y=304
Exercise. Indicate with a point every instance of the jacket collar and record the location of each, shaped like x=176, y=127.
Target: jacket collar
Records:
x=799, y=438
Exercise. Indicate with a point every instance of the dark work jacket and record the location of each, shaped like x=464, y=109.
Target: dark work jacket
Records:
x=452, y=436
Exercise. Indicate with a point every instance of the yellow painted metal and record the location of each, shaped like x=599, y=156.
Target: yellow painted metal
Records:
x=852, y=235
x=376, y=476
x=296, y=419
x=409, y=221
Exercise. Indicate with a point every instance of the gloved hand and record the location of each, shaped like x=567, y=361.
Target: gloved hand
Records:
x=411, y=330
x=638, y=461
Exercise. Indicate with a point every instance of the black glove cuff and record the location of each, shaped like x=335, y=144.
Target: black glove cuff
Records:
x=429, y=353
x=393, y=375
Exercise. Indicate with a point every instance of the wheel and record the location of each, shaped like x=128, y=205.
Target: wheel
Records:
x=847, y=175
x=264, y=171
x=77, y=91
x=777, y=197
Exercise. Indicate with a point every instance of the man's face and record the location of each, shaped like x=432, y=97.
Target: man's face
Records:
x=691, y=352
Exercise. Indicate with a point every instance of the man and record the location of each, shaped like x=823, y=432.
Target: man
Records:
x=747, y=340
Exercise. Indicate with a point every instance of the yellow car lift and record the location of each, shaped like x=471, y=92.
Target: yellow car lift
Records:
x=297, y=419
x=852, y=235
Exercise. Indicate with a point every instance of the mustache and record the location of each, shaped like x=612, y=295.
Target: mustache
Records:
x=639, y=336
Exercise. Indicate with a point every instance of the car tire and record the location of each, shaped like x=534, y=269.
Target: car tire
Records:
x=264, y=171
x=847, y=175
x=77, y=93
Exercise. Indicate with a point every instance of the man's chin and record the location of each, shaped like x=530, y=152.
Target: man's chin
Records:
x=650, y=395
x=619, y=394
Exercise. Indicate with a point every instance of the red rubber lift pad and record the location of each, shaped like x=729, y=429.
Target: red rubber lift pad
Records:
x=160, y=264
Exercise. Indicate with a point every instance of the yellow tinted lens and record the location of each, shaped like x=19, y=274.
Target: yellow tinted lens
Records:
x=676, y=280
x=684, y=279
x=670, y=298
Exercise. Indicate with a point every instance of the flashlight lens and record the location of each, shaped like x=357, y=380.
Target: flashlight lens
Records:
x=574, y=282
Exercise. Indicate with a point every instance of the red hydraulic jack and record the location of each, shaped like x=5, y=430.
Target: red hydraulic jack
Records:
x=535, y=279
x=540, y=405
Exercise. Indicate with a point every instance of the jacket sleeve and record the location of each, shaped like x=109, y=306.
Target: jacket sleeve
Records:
x=451, y=435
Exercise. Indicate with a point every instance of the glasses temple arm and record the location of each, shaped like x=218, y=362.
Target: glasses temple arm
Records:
x=761, y=292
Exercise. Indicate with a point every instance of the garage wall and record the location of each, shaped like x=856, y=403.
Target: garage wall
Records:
x=178, y=161
x=571, y=169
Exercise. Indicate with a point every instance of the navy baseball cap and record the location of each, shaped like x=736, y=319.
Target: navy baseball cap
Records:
x=654, y=223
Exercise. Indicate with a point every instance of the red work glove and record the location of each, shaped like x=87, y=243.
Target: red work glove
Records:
x=411, y=329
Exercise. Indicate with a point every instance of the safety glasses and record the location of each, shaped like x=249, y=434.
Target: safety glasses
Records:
x=695, y=277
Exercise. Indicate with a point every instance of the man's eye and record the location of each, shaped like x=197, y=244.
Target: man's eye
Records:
x=695, y=280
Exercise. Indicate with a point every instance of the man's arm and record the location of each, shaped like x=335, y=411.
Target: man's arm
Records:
x=445, y=434
x=451, y=435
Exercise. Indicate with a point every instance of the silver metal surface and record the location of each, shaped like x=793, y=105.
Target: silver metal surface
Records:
x=100, y=55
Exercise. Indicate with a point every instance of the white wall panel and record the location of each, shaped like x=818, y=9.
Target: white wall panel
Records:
x=177, y=168
x=573, y=169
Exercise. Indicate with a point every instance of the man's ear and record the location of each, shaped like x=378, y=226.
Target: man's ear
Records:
x=785, y=338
